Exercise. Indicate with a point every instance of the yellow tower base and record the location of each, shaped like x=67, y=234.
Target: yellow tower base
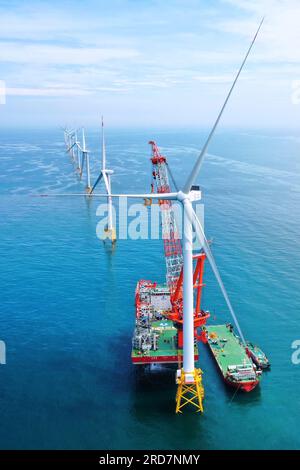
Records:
x=88, y=189
x=111, y=235
x=190, y=390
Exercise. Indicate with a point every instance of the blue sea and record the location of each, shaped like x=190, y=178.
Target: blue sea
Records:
x=67, y=300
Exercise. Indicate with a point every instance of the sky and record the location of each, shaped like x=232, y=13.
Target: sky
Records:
x=145, y=63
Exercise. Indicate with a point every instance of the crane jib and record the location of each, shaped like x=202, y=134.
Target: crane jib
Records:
x=170, y=234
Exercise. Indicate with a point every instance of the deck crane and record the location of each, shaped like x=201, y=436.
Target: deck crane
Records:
x=170, y=235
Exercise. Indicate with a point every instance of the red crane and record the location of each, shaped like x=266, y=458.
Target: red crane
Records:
x=173, y=251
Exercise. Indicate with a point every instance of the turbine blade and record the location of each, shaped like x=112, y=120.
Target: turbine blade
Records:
x=96, y=182
x=82, y=164
x=196, y=169
x=164, y=196
x=206, y=248
x=105, y=178
x=83, y=140
x=103, y=146
x=70, y=148
x=172, y=177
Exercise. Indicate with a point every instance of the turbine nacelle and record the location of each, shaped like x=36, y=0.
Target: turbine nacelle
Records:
x=195, y=194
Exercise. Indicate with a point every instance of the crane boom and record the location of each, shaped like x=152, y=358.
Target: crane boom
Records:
x=173, y=248
x=170, y=235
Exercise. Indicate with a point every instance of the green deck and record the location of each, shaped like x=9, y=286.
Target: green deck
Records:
x=166, y=345
x=230, y=352
x=167, y=342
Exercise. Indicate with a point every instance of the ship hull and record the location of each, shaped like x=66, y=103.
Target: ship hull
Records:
x=261, y=365
x=242, y=386
x=158, y=360
x=230, y=352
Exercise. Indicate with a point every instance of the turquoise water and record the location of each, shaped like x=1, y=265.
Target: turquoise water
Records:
x=67, y=303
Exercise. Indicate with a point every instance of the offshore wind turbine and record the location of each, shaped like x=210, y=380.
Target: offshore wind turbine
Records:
x=70, y=142
x=105, y=173
x=85, y=159
x=66, y=137
x=81, y=153
x=189, y=378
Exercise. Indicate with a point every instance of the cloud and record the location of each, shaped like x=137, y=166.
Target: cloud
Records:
x=2, y=92
x=43, y=22
x=279, y=38
x=143, y=52
x=46, y=92
x=215, y=78
x=59, y=55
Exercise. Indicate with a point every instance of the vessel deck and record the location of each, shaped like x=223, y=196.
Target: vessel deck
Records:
x=229, y=352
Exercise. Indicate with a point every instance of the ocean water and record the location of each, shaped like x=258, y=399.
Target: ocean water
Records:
x=67, y=301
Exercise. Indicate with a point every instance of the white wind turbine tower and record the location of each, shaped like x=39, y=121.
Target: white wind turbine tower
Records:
x=81, y=153
x=68, y=141
x=106, y=175
x=85, y=160
x=71, y=142
x=77, y=152
x=189, y=378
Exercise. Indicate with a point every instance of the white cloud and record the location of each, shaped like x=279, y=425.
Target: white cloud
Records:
x=215, y=78
x=60, y=55
x=279, y=39
x=46, y=92
x=153, y=51
x=59, y=23
x=2, y=92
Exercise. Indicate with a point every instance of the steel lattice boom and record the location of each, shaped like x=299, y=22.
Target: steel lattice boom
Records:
x=172, y=244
